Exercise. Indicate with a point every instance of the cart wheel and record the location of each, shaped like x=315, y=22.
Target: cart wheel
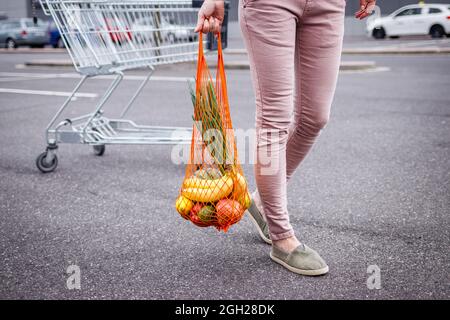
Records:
x=43, y=166
x=99, y=149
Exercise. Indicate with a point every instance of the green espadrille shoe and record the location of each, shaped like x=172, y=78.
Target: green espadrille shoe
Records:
x=303, y=260
x=258, y=220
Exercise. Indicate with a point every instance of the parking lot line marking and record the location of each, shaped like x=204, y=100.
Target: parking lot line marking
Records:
x=373, y=70
x=48, y=93
x=77, y=76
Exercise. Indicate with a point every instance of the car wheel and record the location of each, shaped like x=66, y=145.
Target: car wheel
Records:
x=11, y=44
x=60, y=43
x=437, y=31
x=379, y=33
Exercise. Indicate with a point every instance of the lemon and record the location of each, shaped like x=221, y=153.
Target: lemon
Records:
x=245, y=200
x=184, y=206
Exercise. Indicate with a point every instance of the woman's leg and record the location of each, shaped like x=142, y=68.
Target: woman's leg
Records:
x=269, y=29
x=317, y=58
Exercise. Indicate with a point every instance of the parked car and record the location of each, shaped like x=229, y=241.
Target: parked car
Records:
x=18, y=32
x=170, y=31
x=419, y=19
x=56, y=40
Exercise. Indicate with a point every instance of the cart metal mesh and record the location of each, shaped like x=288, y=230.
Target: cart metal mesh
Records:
x=110, y=37
x=105, y=35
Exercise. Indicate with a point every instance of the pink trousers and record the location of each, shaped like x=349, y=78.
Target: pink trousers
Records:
x=294, y=47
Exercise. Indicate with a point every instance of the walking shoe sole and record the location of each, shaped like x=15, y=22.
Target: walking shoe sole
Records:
x=317, y=272
x=261, y=234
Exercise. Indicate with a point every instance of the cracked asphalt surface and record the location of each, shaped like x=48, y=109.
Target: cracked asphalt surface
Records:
x=374, y=191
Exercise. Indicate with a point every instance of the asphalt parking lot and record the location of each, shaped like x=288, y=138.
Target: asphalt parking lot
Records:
x=374, y=191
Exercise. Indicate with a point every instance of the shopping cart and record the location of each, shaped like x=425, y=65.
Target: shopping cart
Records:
x=108, y=37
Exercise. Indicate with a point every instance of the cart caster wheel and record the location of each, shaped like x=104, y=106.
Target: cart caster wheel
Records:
x=99, y=149
x=45, y=167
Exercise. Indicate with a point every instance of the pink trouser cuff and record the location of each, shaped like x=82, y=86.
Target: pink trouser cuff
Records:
x=281, y=236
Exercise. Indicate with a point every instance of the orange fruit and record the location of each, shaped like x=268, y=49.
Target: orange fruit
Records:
x=228, y=212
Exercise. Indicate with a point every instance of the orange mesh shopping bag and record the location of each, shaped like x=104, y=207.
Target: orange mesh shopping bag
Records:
x=214, y=190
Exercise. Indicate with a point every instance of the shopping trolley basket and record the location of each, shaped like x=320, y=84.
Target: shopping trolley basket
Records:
x=108, y=37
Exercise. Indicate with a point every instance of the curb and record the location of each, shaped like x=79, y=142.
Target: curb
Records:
x=425, y=50
x=344, y=66
x=234, y=51
x=49, y=63
x=230, y=65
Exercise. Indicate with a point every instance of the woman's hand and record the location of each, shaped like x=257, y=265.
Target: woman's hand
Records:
x=210, y=16
x=365, y=8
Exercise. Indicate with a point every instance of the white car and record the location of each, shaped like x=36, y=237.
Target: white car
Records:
x=419, y=19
